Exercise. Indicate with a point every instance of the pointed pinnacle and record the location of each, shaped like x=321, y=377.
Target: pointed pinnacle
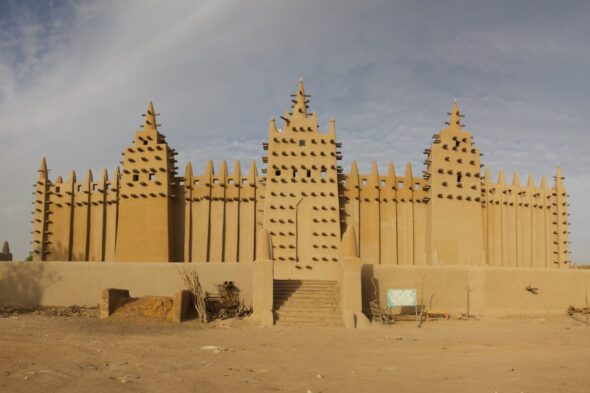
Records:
x=409, y=174
x=104, y=176
x=501, y=177
x=455, y=121
x=515, y=179
x=530, y=181
x=300, y=106
x=252, y=173
x=374, y=179
x=188, y=171
x=237, y=172
x=89, y=176
x=332, y=128
x=559, y=177
x=150, y=118
x=272, y=126
x=488, y=177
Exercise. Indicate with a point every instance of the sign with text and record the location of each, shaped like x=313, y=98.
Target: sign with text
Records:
x=401, y=297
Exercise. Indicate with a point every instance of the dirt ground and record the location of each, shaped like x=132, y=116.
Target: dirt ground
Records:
x=43, y=352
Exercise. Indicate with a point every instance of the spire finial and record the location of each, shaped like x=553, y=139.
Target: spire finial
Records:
x=150, y=118
x=43, y=171
x=455, y=121
x=272, y=126
x=5, y=248
x=559, y=178
x=332, y=128
x=299, y=103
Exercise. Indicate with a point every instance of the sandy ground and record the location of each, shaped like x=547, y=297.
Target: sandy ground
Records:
x=41, y=353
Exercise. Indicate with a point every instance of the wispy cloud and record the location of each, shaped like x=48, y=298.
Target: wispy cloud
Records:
x=75, y=75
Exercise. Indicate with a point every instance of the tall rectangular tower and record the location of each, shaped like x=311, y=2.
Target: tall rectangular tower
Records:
x=144, y=231
x=302, y=213
x=454, y=218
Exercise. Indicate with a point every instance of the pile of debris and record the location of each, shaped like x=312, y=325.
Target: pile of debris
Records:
x=49, y=311
x=575, y=313
x=226, y=304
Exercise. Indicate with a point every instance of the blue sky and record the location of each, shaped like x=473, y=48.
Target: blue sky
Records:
x=75, y=77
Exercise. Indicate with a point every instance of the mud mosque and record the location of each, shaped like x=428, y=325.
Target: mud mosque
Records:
x=453, y=213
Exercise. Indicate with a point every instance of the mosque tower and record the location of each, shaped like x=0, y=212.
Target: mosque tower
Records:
x=302, y=214
x=147, y=182
x=454, y=223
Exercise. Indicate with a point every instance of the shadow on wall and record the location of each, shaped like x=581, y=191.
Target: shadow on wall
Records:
x=22, y=283
x=370, y=288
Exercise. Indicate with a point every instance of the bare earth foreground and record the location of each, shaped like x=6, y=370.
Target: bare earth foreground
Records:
x=42, y=353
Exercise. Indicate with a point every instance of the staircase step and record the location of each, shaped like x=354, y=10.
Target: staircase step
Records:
x=312, y=314
x=297, y=295
x=307, y=303
x=328, y=321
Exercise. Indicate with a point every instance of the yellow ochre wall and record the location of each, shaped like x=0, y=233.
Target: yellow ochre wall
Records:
x=450, y=215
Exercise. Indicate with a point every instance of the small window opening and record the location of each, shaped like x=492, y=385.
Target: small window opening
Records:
x=302, y=142
x=323, y=171
x=79, y=187
x=145, y=142
x=382, y=183
x=151, y=176
x=457, y=142
x=294, y=172
x=364, y=182
x=57, y=190
x=400, y=184
x=230, y=181
x=244, y=181
x=196, y=182
x=459, y=177
x=278, y=172
x=94, y=187
x=135, y=177
x=417, y=186
x=215, y=181
x=309, y=173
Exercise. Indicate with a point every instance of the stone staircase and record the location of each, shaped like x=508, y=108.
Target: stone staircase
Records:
x=306, y=303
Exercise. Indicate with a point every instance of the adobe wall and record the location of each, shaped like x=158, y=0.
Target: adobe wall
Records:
x=81, y=283
x=492, y=290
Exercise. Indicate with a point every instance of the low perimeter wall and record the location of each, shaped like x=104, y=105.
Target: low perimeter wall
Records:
x=82, y=283
x=491, y=291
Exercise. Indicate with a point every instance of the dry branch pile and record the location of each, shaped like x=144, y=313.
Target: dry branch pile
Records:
x=191, y=281
x=226, y=304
